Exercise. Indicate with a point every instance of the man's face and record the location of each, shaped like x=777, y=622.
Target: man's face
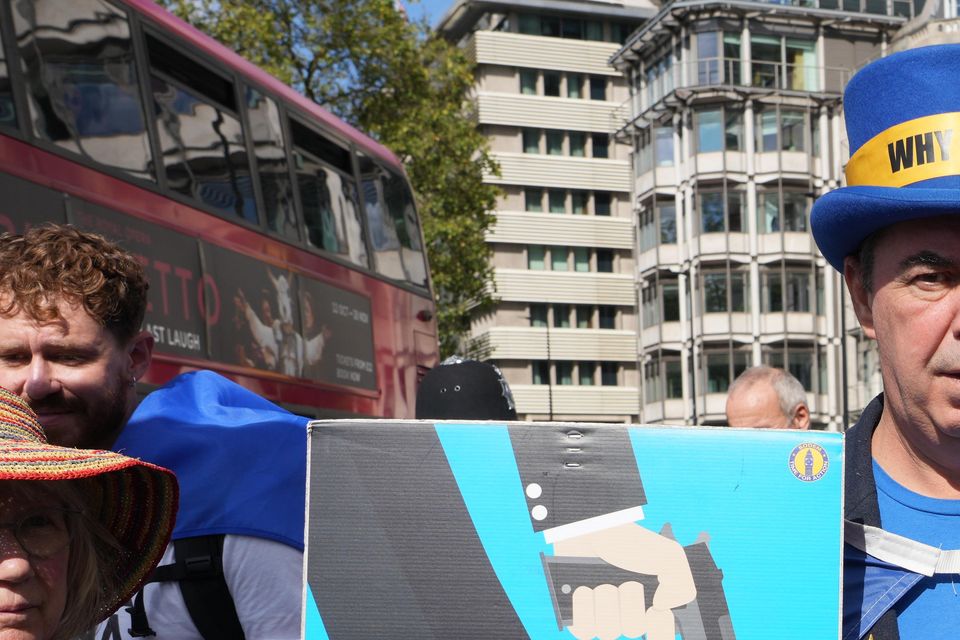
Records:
x=73, y=373
x=914, y=314
x=755, y=406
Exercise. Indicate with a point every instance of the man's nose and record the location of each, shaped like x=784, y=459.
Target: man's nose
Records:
x=40, y=381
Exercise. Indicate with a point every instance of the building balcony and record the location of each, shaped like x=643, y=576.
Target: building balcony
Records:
x=561, y=172
x=524, y=285
x=576, y=400
x=530, y=343
x=515, y=227
x=540, y=52
x=547, y=112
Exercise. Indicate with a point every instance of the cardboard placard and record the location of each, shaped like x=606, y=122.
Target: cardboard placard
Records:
x=490, y=530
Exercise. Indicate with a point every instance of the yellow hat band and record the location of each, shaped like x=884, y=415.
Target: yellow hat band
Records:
x=909, y=152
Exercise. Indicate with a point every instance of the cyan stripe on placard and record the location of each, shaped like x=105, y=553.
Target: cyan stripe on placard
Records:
x=482, y=461
x=314, y=629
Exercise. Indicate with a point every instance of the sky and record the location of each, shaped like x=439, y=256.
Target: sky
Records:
x=432, y=9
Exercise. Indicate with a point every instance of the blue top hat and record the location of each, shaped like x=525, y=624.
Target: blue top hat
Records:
x=903, y=124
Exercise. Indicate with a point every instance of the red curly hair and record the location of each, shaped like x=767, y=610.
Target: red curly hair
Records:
x=59, y=263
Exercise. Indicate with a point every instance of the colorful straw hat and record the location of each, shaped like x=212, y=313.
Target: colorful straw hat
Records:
x=903, y=122
x=133, y=500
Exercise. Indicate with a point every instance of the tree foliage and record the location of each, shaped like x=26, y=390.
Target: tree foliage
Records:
x=406, y=87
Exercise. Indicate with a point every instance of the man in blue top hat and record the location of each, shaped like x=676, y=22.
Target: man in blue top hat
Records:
x=894, y=233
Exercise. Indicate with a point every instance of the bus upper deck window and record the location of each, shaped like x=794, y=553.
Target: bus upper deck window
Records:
x=8, y=113
x=402, y=210
x=201, y=138
x=328, y=195
x=271, y=158
x=78, y=63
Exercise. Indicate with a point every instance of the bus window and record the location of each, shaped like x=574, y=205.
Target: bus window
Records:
x=201, y=139
x=272, y=165
x=383, y=232
x=78, y=63
x=400, y=205
x=8, y=114
x=328, y=196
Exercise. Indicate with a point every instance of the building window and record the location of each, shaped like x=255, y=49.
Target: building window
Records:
x=531, y=141
x=796, y=207
x=559, y=258
x=533, y=200
x=674, y=378
x=586, y=372
x=554, y=142
x=792, y=126
x=581, y=259
x=578, y=202
x=529, y=24
x=643, y=152
x=667, y=214
x=648, y=229
x=578, y=144
x=584, y=316
x=574, y=85
x=798, y=291
x=609, y=374
x=719, y=212
x=708, y=68
x=723, y=291
x=709, y=123
x=561, y=316
x=731, y=58
x=540, y=372
x=601, y=143
x=551, y=83
x=649, y=307
x=538, y=315
x=601, y=203
x=733, y=129
x=715, y=292
x=784, y=63
x=564, y=372
x=771, y=291
x=572, y=29
x=651, y=382
x=717, y=365
x=785, y=134
x=604, y=260
x=663, y=149
x=593, y=30
x=670, y=294
x=557, y=200
x=528, y=82
x=794, y=214
x=536, y=257
x=598, y=88
x=607, y=317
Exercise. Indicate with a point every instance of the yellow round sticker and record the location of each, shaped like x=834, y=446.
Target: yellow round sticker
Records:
x=808, y=462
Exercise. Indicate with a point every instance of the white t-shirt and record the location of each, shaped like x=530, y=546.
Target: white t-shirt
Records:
x=264, y=577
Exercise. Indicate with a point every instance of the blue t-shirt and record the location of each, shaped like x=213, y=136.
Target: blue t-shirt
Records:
x=932, y=608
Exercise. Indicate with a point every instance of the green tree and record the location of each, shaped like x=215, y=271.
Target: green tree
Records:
x=404, y=86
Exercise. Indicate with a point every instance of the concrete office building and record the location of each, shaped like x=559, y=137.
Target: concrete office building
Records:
x=565, y=330
x=736, y=128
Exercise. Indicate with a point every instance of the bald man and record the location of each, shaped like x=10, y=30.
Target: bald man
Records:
x=767, y=397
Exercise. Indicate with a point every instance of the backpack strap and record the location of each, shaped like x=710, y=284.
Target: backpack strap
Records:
x=198, y=568
x=901, y=551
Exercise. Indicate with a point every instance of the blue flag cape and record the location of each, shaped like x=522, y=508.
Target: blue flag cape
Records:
x=240, y=460
x=871, y=588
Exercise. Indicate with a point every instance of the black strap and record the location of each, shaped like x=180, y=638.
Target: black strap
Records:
x=198, y=567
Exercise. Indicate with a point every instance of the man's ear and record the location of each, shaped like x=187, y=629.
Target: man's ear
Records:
x=801, y=417
x=862, y=299
x=140, y=351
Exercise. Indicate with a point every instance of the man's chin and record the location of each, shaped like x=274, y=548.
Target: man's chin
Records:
x=62, y=429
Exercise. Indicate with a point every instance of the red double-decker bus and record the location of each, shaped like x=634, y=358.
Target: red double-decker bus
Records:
x=283, y=246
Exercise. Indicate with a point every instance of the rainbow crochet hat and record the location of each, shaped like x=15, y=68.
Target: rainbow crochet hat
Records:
x=133, y=500
x=903, y=122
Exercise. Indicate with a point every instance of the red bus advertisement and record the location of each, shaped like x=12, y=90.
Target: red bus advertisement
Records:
x=283, y=246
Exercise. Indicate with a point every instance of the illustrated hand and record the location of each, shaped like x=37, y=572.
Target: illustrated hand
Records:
x=610, y=611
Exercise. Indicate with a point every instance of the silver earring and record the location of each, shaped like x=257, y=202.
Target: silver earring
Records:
x=133, y=381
